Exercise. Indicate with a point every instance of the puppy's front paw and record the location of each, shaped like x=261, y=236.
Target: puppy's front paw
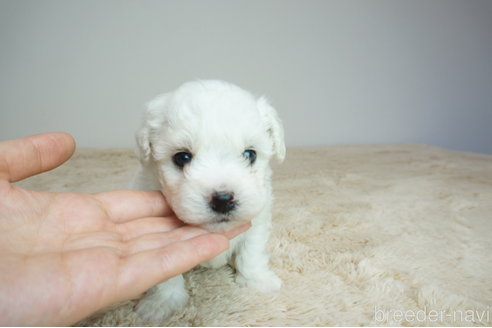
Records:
x=265, y=281
x=156, y=306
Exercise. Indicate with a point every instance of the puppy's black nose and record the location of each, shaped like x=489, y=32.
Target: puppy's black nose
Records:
x=222, y=202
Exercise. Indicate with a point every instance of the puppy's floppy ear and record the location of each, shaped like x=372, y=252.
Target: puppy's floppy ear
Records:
x=153, y=119
x=273, y=125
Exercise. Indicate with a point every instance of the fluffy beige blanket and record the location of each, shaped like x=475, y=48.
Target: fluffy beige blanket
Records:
x=362, y=235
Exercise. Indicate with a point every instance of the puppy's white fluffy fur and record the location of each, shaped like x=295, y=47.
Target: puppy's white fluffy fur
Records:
x=215, y=122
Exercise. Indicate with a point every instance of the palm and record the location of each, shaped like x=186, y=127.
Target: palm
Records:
x=66, y=242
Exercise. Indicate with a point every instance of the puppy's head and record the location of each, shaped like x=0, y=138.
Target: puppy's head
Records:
x=211, y=143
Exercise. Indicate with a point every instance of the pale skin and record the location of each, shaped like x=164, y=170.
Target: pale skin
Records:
x=64, y=256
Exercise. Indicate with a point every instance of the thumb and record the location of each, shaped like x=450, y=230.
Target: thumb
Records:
x=24, y=157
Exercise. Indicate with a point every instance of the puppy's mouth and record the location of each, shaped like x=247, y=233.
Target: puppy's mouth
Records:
x=223, y=220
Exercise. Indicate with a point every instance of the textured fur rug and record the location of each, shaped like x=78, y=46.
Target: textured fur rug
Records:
x=363, y=235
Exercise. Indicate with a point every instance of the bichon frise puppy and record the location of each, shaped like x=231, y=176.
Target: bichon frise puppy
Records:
x=207, y=147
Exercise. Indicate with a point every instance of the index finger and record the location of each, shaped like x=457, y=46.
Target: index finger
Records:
x=166, y=262
x=126, y=205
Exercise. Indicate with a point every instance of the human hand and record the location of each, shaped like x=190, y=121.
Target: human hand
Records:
x=63, y=256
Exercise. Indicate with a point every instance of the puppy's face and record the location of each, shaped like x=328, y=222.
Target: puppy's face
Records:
x=211, y=143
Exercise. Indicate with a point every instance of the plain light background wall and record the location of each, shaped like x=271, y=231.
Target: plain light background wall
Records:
x=338, y=72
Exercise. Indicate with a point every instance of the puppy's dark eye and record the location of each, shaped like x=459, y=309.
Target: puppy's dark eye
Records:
x=250, y=155
x=182, y=158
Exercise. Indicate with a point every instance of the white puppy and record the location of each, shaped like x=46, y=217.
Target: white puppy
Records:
x=207, y=147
